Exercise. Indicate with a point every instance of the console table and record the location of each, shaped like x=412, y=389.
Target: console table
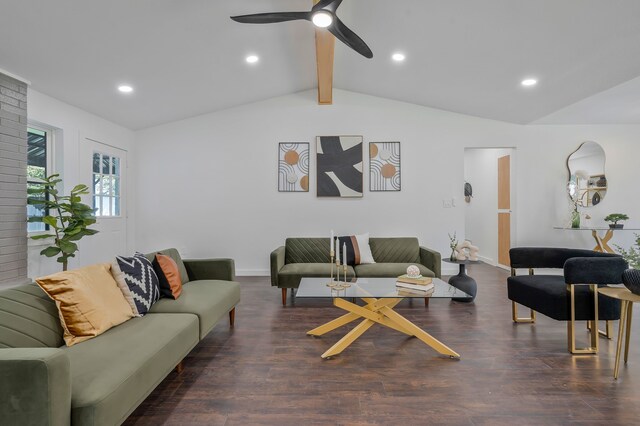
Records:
x=602, y=242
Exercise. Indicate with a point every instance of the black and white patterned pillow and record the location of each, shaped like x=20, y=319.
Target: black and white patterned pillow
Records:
x=138, y=281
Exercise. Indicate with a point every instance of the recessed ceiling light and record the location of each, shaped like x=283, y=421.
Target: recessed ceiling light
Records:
x=252, y=59
x=322, y=19
x=398, y=57
x=125, y=88
x=528, y=82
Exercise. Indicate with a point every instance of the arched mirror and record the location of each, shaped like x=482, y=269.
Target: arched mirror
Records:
x=587, y=185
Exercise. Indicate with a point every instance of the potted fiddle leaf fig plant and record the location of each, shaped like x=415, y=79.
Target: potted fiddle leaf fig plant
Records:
x=67, y=217
x=614, y=218
x=631, y=277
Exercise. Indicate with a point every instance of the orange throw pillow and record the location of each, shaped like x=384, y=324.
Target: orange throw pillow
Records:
x=89, y=301
x=168, y=275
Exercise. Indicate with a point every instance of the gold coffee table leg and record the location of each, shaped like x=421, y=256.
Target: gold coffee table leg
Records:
x=348, y=339
x=377, y=311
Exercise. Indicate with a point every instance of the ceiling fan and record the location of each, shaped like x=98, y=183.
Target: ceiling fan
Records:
x=323, y=15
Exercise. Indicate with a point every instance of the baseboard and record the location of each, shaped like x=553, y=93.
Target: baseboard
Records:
x=253, y=272
x=488, y=260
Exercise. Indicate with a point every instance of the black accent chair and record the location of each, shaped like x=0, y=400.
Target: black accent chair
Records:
x=570, y=297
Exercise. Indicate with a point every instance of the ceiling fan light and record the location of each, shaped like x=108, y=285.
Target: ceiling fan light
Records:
x=322, y=19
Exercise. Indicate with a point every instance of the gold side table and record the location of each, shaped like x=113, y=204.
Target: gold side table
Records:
x=626, y=311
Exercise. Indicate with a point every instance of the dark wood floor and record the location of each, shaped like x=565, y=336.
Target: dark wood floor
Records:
x=266, y=371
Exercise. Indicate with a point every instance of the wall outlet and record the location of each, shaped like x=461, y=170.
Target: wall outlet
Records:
x=446, y=204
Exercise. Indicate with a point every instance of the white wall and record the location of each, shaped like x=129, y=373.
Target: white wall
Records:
x=74, y=124
x=481, y=218
x=208, y=185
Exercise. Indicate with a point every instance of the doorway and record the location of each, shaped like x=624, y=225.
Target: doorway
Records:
x=103, y=168
x=489, y=213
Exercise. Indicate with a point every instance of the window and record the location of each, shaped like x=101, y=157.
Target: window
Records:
x=106, y=184
x=39, y=142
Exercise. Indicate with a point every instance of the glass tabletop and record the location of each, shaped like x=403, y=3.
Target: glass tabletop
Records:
x=378, y=288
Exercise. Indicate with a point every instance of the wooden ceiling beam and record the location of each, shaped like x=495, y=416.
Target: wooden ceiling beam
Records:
x=325, y=43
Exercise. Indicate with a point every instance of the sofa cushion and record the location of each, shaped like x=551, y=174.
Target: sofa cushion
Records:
x=29, y=318
x=89, y=301
x=210, y=300
x=112, y=374
x=307, y=250
x=290, y=275
x=173, y=253
x=548, y=295
x=390, y=270
x=395, y=250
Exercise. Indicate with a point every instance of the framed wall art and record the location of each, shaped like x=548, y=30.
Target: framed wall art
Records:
x=293, y=167
x=339, y=166
x=384, y=166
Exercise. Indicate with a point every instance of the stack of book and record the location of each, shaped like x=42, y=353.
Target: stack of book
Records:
x=420, y=285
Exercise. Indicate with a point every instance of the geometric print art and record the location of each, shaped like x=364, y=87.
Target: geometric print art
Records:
x=339, y=166
x=293, y=167
x=384, y=166
x=139, y=277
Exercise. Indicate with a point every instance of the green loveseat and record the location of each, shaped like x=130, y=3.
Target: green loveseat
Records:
x=102, y=380
x=309, y=257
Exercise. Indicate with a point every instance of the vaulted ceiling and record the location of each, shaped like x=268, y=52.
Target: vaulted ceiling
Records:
x=186, y=57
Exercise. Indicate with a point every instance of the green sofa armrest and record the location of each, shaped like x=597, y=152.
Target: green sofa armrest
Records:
x=35, y=386
x=277, y=262
x=432, y=260
x=210, y=269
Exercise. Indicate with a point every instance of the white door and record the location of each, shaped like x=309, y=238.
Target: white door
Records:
x=103, y=169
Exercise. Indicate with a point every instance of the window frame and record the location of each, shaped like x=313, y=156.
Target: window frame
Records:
x=49, y=163
x=112, y=197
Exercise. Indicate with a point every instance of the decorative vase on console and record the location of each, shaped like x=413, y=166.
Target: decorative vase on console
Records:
x=575, y=218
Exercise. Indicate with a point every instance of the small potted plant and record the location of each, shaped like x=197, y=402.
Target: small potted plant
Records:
x=614, y=218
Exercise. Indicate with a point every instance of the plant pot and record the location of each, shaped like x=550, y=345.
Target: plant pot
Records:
x=631, y=280
x=616, y=225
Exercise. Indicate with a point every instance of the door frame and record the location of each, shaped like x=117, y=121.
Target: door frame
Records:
x=84, y=149
x=513, y=153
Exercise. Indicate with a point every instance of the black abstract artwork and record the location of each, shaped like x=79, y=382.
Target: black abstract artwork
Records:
x=339, y=166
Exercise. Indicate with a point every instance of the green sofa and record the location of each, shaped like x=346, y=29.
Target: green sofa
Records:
x=309, y=257
x=101, y=381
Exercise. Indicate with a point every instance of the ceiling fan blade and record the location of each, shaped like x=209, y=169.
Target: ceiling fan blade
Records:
x=351, y=39
x=269, y=18
x=332, y=5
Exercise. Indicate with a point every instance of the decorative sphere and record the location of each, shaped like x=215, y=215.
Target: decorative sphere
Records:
x=413, y=271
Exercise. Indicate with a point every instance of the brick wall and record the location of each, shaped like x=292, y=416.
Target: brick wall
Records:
x=13, y=180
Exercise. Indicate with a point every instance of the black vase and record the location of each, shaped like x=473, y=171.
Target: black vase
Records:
x=631, y=280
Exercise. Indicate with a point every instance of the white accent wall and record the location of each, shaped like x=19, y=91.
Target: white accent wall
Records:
x=72, y=124
x=208, y=184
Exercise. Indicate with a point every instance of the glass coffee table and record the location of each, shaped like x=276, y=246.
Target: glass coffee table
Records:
x=380, y=296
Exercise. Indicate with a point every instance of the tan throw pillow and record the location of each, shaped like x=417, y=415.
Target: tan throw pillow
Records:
x=89, y=301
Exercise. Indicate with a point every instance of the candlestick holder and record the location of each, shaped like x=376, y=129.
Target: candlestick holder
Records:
x=331, y=283
x=344, y=270
x=338, y=285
